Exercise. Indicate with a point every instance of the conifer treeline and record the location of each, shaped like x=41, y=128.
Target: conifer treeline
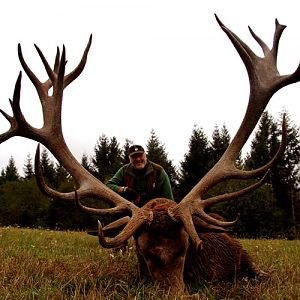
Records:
x=272, y=210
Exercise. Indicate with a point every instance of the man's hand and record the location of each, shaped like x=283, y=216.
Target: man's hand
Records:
x=131, y=194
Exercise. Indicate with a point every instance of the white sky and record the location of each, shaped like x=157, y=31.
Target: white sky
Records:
x=162, y=65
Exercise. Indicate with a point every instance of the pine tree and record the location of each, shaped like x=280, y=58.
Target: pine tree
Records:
x=196, y=162
x=219, y=143
x=11, y=171
x=265, y=143
x=2, y=177
x=286, y=174
x=115, y=156
x=156, y=152
x=62, y=178
x=107, y=158
x=125, y=158
x=85, y=162
x=28, y=167
x=48, y=168
x=100, y=159
x=22, y=203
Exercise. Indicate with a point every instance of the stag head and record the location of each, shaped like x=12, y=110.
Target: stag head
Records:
x=164, y=231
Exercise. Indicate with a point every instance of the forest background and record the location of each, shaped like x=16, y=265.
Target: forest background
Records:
x=271, y=211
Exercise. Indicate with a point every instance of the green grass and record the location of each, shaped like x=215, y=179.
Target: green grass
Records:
x=43, y=264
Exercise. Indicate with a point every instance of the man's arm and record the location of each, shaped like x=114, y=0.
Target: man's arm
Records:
x=116, y=183
x=164, y=186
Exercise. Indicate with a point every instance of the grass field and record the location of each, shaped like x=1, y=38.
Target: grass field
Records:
x=43, y=264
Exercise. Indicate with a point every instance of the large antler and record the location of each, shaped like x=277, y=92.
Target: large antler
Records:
x=265, y=80
x=51, y=136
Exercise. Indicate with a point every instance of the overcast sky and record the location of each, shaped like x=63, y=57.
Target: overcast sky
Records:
x=162, y=65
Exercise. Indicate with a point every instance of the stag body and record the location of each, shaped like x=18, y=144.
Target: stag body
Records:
x=169, y=236
x=165, y=251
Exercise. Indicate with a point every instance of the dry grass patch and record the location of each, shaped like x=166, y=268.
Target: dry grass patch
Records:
x=43, y=264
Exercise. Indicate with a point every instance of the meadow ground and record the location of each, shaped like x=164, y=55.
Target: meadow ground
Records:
x=44, y=264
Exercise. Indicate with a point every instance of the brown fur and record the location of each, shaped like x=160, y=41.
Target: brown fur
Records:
x=165, y=252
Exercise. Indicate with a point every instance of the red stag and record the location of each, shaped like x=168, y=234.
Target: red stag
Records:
x=176, y=243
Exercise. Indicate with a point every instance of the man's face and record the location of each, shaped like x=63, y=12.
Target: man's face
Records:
x=138, y=160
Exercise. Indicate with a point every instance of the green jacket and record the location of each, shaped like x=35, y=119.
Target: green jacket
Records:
x=152, y=183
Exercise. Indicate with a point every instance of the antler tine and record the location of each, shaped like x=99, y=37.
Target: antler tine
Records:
x=277, y=35
x=264, y=80
x=18, y=124
x=128, y=225
x=42, y=184
x=48, y=69
x=235, y=173
x=18, y=117
x=77, y=71
x=141, y=217
x=28, y=71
